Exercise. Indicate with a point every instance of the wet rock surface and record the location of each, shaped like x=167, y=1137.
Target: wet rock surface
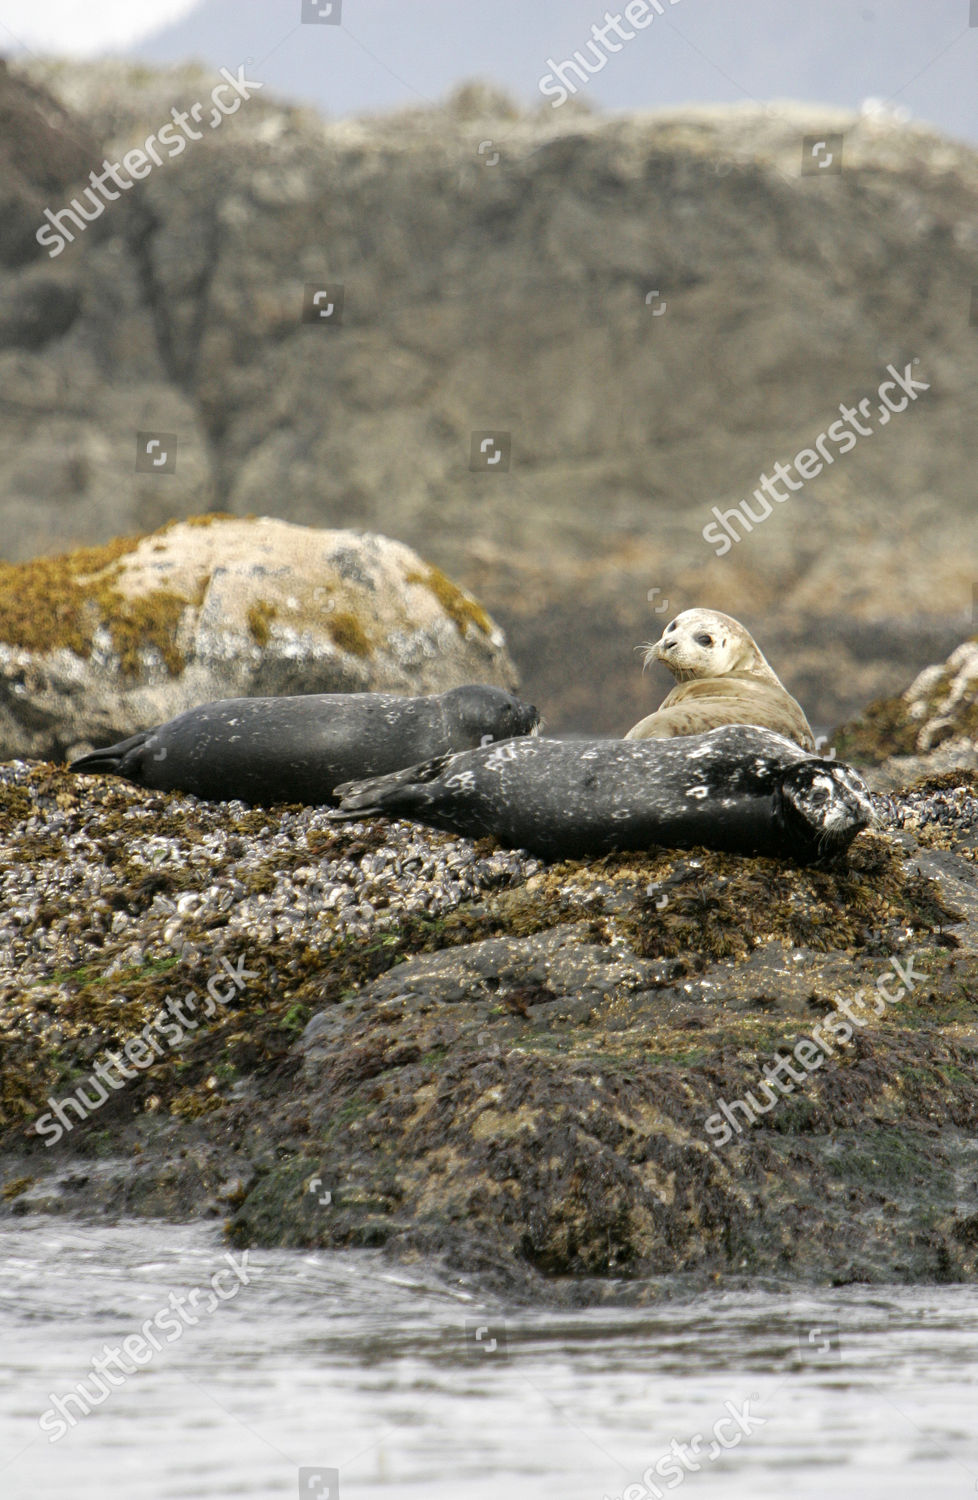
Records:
x=508, y=1067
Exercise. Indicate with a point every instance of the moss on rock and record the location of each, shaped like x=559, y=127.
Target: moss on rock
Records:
x=885, y=729
x=260, y=617
x=348, y=633
x=458, y=606
x=61, y=602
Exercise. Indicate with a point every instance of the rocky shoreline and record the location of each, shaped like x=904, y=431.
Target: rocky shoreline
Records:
x=376, y=1035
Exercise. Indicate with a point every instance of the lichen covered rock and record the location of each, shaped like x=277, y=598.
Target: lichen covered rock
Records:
x=101, y=642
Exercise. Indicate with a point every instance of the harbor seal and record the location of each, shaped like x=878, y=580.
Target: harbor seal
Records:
x=722, y=678
x=737, y=788
x=297, y=749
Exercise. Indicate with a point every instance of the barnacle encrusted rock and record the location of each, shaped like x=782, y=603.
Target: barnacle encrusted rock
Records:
x=503, y=1066
x=107, y=640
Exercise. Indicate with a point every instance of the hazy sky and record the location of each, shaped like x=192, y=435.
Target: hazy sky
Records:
x=83, y=27
x=919, y=55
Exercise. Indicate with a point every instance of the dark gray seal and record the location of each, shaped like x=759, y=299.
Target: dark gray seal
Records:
x=265, y=750
x=738, y=788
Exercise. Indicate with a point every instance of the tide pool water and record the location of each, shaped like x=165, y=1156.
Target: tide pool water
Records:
x=335, y=1376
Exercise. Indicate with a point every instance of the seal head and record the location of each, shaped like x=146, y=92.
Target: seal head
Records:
x=823, y=804
x=478, y=715
x=705, y=643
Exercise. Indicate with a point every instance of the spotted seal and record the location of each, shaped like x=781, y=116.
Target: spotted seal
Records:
x=297, y=749
x=737, y=788
x=722, y=678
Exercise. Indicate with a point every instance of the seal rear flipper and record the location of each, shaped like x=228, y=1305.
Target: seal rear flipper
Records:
x=400, y=794
x=123, y=759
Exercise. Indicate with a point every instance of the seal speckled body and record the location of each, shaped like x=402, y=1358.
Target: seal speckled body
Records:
x=736, y=788
x=265, y=750
x=722, y=678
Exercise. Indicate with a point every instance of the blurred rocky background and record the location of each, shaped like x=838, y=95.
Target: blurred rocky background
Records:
x=647, y=311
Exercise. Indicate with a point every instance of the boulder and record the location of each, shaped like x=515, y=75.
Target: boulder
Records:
x=545, y=1082
x=101, y=642
x=930, y=728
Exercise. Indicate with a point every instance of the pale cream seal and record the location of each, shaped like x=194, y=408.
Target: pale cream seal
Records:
x=722, y=678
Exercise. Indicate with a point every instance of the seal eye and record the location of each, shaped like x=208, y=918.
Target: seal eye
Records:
x=703, y=640
x=670, y=627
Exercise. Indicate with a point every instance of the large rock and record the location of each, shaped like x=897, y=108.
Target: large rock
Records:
x=930, y=728
x=99, y=643
x=511, y=1070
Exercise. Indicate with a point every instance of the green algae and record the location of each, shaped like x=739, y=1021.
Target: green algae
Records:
x=348, y=633
x=887, y=1154
x=259, y=619
x=460, y=608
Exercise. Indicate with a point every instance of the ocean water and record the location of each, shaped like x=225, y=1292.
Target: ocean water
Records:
x=380, y=1382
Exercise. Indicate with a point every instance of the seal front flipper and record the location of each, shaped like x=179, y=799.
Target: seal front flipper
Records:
x=401, y=794
x=124, y=759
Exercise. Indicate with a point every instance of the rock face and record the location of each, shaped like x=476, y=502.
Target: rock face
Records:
x=44, y=148
x=943, y=700
x=539, y=1075
x=930, y=728
x=651, y=310
x=102, y=642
